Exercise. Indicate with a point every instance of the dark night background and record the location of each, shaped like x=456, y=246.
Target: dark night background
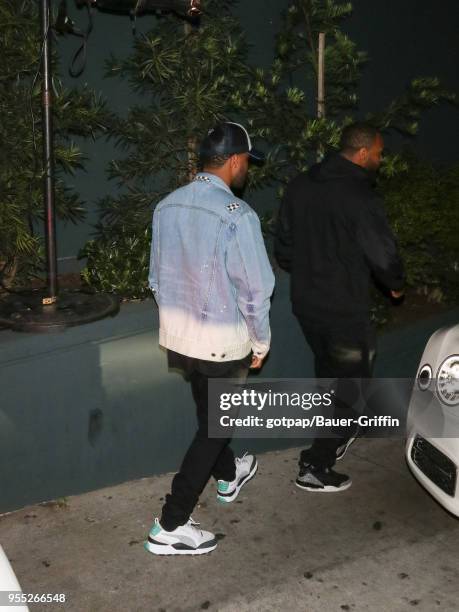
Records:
x=403, y=38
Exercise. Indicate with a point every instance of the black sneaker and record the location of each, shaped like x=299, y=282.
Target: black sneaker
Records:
x=322, y=480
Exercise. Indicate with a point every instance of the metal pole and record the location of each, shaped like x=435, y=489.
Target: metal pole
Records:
x=48, y=154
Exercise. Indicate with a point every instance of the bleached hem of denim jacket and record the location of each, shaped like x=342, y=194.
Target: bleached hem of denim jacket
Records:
x=209, y=351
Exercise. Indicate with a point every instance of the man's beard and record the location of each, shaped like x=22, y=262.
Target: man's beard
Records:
x=372, y=169
x=239, y=180
x=372, y=175
x=372, y=166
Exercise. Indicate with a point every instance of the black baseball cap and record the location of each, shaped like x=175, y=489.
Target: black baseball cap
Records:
x=229, y=138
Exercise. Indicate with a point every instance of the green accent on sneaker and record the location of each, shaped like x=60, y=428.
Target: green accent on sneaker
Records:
x=156, y=529
x=223, y=486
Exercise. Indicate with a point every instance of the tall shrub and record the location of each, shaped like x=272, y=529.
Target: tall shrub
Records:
x=189, y=78
x=77, y=113
x=423, y=206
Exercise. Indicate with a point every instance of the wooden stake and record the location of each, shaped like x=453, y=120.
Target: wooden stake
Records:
x=321, y=77
x=192, y=143
x=321, y=86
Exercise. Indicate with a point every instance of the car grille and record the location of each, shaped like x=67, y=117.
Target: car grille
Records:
x=434, y=464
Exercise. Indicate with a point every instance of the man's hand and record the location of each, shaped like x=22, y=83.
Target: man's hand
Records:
x=257, y=362
x=397, y=294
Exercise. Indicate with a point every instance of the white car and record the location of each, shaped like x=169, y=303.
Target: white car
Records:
x=432, y=448
x=9, y=585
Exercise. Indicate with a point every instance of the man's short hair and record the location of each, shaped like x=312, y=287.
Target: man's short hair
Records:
x=214, y=161
x=357, y=136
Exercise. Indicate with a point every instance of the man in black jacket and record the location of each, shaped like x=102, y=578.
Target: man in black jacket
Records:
x=333, y=236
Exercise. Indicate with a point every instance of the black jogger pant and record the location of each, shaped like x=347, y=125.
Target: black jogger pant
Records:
x=341, y=352
x=206, y=456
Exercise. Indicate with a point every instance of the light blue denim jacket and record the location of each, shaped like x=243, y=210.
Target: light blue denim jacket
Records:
x=210, y=273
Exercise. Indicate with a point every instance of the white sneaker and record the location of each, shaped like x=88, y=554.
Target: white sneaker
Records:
x=185, y=540
x=246, y=467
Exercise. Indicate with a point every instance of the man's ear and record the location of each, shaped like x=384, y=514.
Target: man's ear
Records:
x=234, y=162
x=363, y=154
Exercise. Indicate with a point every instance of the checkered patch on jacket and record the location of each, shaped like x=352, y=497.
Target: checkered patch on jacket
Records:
x=233, y=206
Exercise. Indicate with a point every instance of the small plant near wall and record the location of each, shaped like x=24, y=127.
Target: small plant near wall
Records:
x=77, y=113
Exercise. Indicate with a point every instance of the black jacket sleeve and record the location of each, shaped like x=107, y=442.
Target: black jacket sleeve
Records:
x=283, y=246
x=379, y=246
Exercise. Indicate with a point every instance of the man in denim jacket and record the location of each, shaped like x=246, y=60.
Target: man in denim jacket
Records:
x=212, y=281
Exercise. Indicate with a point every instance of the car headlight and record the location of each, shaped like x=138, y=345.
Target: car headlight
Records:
x=448, y=381
x=424, y=377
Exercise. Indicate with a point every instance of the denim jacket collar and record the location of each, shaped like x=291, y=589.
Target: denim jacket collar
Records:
x=214, y=179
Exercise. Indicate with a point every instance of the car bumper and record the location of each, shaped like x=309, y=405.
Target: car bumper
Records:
x=434, y=462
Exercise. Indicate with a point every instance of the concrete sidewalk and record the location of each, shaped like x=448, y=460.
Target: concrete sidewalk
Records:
x=382, y=545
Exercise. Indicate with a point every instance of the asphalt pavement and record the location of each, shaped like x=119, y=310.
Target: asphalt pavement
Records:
x=382, y=545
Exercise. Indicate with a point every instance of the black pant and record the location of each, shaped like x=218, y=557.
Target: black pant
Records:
x=342, y=351
x=206, y=456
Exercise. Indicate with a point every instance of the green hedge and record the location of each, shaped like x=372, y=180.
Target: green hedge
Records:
x=422, y=204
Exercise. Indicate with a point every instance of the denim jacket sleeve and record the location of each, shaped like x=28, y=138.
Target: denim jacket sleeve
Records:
x=154, y=254
x=250, y=273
